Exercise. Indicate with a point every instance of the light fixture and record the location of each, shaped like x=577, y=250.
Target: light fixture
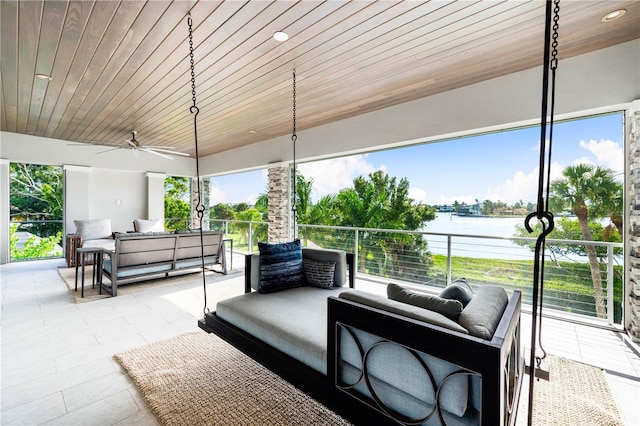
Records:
x=280, y=36
x=613, y=15
x=44, y=77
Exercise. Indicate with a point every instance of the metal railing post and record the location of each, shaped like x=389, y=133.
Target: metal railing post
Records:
x=250, y=238
x=610, y=291
x=448, y=259
x=355, y=253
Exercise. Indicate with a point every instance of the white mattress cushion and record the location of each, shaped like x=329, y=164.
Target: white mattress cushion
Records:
x=293, y=321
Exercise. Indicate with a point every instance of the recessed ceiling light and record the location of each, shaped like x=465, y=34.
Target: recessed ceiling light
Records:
x=252, y=132
x=281, y=36
x=44, y=77
x=613, y=15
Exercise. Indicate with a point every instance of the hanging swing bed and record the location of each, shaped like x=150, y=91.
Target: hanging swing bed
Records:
x=378, y=361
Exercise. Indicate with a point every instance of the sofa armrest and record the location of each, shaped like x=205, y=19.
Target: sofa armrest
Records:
x=251, y=272
x=498, y=361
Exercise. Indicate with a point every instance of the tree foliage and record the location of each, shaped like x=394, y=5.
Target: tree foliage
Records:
x=35, y=198
x=177, y=206
x=34, y=247
x=378, y=201
x=222, y=211
x=590, y=193
x=35, y=194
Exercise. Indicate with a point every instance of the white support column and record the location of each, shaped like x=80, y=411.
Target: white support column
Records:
x=155, y=195
x=4, y=211
x=77, y=187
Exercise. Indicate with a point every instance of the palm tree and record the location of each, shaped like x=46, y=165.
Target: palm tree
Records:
x=590, y=192
x=304, y=188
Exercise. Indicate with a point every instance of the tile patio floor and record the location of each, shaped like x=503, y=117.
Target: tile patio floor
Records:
x=56, y=356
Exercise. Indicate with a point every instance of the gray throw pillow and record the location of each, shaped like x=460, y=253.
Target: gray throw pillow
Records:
x=319, y=274
x=449, y=308
x=483, y=314
x=458, y=290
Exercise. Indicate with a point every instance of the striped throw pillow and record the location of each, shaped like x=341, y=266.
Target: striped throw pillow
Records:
x=280, y=266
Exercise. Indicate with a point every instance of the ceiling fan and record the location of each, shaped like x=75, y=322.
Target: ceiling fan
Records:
x=136, y=147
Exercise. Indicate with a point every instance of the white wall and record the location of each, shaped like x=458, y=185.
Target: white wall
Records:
x=121, y=196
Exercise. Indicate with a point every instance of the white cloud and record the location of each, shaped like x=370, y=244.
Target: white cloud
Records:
x=607, y=152
x=330, y=176
x=418, y=195
x=583, y=160
x=521, y=186
x=218, y=194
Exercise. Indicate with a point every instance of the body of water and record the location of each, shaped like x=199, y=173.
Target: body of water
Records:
x=486, y=248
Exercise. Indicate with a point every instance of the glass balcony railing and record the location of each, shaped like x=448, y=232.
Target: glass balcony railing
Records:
x=390, y=256
x=35, y=239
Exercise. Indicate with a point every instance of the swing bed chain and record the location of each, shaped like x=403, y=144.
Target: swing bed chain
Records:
x=294, y=138
x=544, y=216
x=200, y=209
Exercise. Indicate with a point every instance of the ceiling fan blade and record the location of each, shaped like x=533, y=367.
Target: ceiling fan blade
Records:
x=150, y=151
x=171, y=148
x=171, y=151
x=107, y=150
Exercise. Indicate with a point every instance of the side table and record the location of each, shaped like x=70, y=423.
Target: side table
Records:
x=81, y=255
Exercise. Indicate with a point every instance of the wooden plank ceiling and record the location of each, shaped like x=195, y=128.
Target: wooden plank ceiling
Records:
x=117, y=66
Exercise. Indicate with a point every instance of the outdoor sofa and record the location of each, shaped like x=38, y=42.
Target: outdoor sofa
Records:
x=380, y=361
x=141, y=255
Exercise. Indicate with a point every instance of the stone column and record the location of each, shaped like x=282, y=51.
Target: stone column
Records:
x=205, y=188
x=279, y=205
x=632, y=249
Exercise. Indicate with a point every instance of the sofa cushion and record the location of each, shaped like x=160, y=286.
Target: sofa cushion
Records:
x=482, y=315
x=458, y=290
x=93, y=229
x=280, y=266
x=400, y=308
x=104, y=243
x=328, y=255
x=448, y=307
x=318, y=274
x=143, y=225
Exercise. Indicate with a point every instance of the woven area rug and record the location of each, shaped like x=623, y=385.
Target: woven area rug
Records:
x=198, y=379
x=575, y=394
x=68, y=275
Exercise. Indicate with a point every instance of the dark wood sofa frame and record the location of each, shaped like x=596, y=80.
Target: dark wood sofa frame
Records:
x=498, y=361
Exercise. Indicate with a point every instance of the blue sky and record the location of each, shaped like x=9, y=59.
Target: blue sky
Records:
x=499, y=166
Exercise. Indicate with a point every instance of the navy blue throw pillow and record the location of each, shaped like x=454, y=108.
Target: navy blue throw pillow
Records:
x=280, y=266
